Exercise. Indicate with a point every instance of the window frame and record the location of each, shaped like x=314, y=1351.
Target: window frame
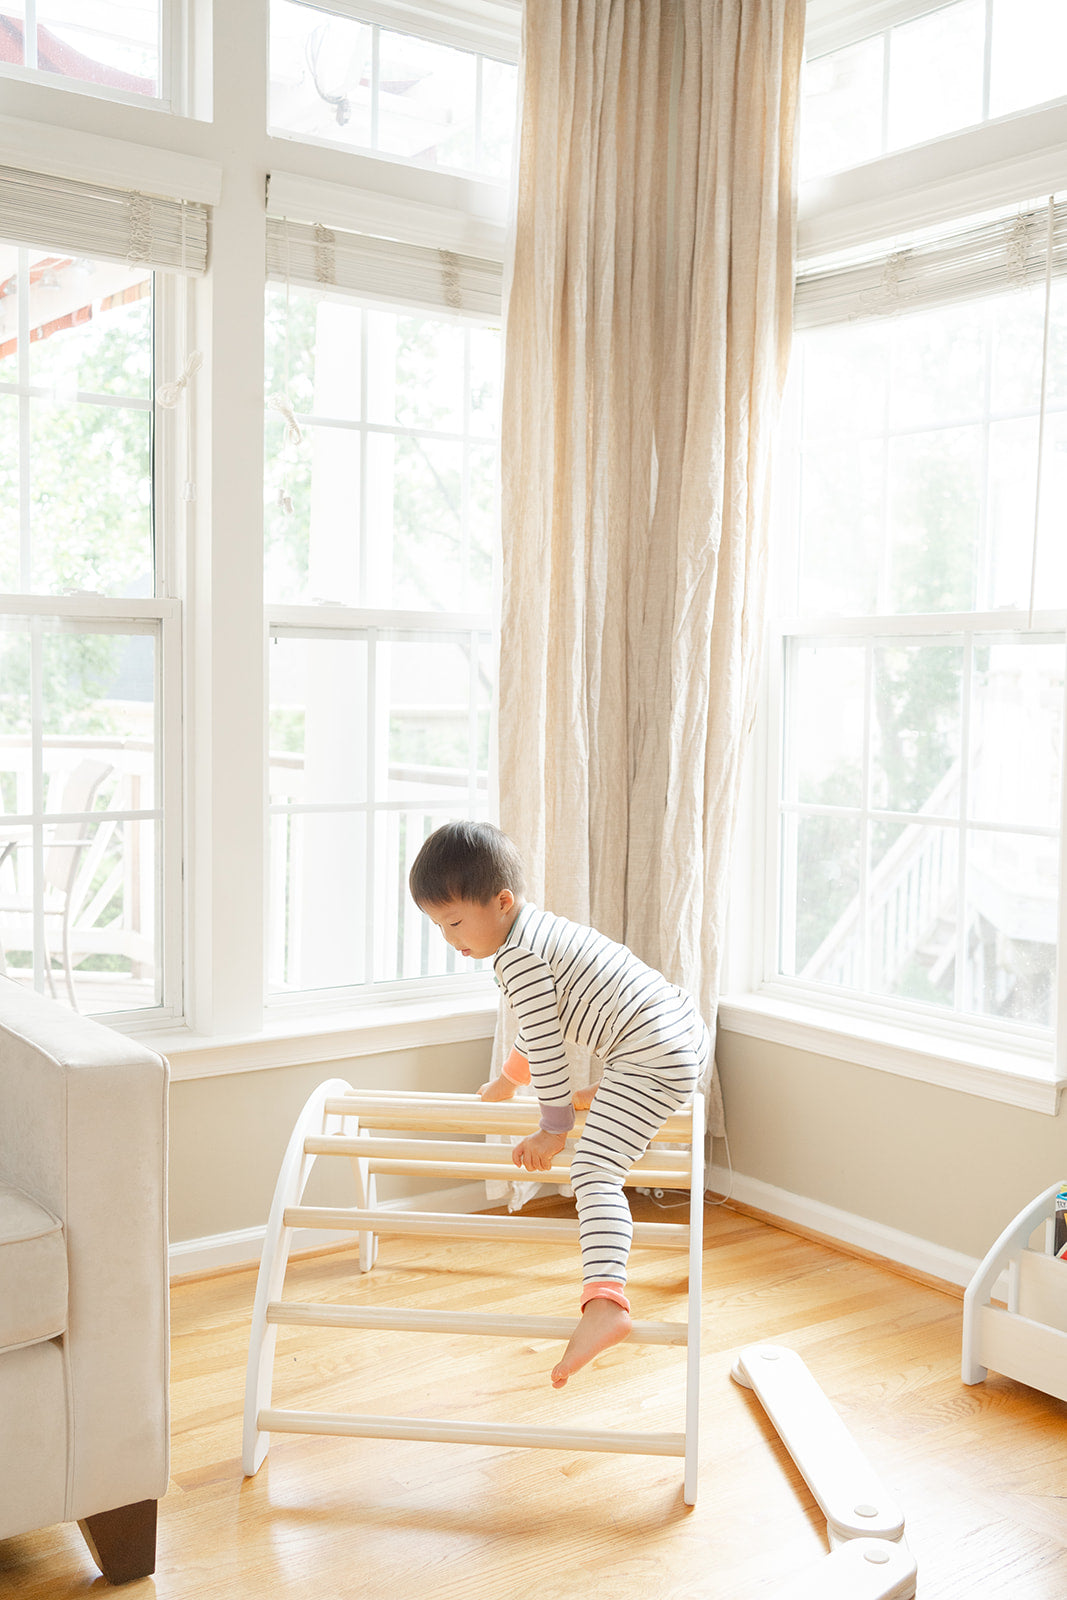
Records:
x=962, y=174
x=174, y=67
x=163, y=611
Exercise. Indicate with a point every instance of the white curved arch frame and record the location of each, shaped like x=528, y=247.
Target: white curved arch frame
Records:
x=339, y=1121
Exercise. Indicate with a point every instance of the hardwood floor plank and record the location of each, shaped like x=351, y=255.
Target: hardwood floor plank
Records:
x=981, y=1473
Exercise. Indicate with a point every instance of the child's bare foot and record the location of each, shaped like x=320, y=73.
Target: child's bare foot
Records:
x=603, y=1324
x=582, y=1099
x=497, y=1089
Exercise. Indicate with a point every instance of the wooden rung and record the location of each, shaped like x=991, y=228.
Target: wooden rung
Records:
x=442, y=1225
x=478, y=1167
x=399, y=1319
x=435, y=1432
x=676, y=1163
x=465, y=1113
x=507, y=1172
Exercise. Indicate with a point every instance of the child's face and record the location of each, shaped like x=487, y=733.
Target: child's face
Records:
x=472, y=929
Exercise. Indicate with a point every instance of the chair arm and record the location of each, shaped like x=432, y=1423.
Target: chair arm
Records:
x=83, y=1129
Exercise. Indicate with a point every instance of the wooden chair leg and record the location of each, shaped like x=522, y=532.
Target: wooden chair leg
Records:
x=123, y=1542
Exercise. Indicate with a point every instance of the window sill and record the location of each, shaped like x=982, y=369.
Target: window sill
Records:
x=290, y=1040
x=1011, y=1078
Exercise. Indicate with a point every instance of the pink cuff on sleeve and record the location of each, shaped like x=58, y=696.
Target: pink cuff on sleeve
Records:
x=516, y=1068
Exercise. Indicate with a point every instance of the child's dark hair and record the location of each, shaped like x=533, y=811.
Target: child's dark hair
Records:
x=465, y=861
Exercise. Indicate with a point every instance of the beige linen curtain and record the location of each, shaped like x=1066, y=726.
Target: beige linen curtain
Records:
x=647, y=336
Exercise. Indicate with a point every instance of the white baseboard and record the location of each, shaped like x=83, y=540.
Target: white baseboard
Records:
x=921, y=1255
x=190, y=1257
x=242, y=1248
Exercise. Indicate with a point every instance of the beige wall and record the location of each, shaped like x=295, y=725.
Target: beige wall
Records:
x=935, y=1163
x=228, y=1134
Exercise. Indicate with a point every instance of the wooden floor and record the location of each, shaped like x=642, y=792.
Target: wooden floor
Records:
x=981, y=1473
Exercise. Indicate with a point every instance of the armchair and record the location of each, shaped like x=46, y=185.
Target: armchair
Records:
x=84, y=1413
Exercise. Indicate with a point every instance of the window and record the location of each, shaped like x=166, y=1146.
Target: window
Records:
x=338, y=79
x=84, y=633
x=920, y=637
x=381, y=532
x=952, y=67
x=114, y=47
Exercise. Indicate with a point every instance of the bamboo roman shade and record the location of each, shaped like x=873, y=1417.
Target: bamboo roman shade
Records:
x=313, y=256
x=1006, y=252
x=89, y=219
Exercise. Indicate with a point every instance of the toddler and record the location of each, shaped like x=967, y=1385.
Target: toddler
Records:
x=567, y=982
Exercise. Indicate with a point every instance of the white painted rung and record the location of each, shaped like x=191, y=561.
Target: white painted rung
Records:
x=845, y=1485
x=445, y=1225
x=861, y=1569
x=466, y=1113
x=399, y=1319
x=478, y=1163
x=438, y=1432
x=672, y=1163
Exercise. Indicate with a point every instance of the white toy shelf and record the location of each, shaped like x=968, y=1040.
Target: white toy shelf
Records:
x=1028, y=1340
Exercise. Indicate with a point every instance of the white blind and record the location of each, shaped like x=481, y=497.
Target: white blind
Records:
x=382, y=269
x=92, y=220
x=1006, y=253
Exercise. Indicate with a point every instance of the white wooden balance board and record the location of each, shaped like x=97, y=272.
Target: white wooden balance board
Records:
x=868, y=1559
x=339, y=1121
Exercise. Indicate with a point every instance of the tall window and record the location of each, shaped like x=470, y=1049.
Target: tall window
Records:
x=920, y=632
x=83, y=632
x=381, y=532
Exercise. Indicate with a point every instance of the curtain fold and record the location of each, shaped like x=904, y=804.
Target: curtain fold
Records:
x=646, y=344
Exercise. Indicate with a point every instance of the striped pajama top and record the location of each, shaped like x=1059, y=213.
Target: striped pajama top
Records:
x=566, y=982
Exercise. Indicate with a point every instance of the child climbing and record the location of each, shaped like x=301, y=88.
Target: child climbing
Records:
x=567, y=983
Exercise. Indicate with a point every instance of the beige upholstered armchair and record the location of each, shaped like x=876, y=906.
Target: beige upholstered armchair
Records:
x=84, y=1416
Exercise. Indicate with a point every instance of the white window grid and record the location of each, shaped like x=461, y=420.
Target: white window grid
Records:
x=418, y=953
x=348, y=13
x=174, y=67
x=160, y=618
x=883, y=29
x=364, y=430
x=891, y=911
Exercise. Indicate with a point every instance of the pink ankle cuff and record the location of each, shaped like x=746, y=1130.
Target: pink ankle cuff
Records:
x=604, y=1291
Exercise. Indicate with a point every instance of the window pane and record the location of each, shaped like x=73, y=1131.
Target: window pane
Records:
x=916, y=728
x=399, y=510
x=825, y=726
x=841, y=109
x=114, y=43
x=319, y=720
x=91, y=529
x=76, y=456
x=1017, y=734
x=321, y=72
x=427, y=98
x=935, y=73
x=911, y=914
x=363, y=86
x=1029, y=61
x=433, y=687
x=1012, y=911
x=317, y=879
x=406, y=945
x=416, y=371
x=935, y=492
x=95, y=742
x=842, y=512
x=821, y=924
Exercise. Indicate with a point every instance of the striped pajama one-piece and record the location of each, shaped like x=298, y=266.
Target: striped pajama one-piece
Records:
x=566, y=982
